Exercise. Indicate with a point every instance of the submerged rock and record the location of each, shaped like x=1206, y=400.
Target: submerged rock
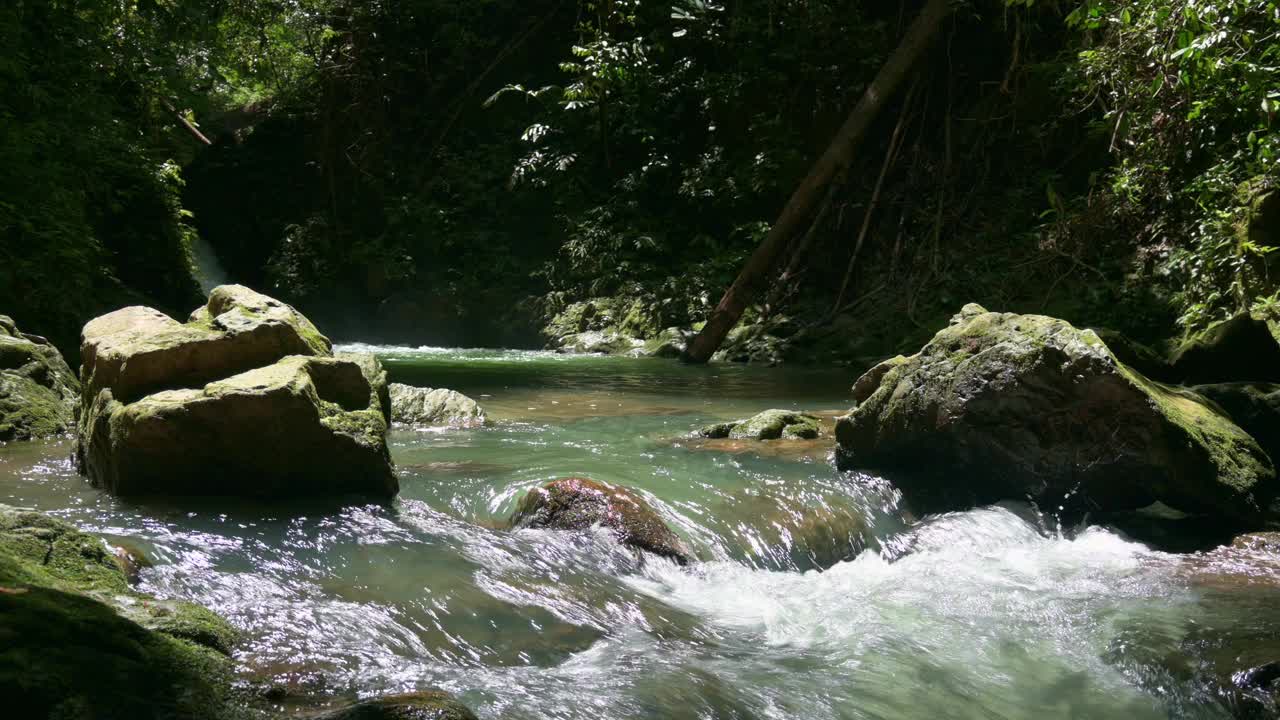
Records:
x=245, y=399
x=79, y=643
x=580, y=504
x=768, y=425
x=38, y=392
x=1005, y=406
x=433, y=406
x=430, y=705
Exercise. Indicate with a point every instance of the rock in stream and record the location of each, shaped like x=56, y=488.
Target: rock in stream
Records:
x=1004, y=406
x=244, y=399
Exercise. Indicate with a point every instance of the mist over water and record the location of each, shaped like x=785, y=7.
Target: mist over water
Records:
x=816, y=596
x=209, y=271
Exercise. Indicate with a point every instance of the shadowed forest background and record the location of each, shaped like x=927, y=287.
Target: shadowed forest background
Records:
x=461, y=173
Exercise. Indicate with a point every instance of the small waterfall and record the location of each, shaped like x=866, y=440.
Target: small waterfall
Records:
x=209, y=271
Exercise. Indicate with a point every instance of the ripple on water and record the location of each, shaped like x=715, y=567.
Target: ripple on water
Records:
x=970, y=615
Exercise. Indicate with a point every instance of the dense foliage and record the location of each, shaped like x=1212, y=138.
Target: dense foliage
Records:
x=446, y=171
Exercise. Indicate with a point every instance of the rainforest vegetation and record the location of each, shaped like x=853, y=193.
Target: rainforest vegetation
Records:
x=449, y=172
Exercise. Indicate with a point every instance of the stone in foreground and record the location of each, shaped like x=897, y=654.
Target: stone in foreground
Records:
x=244, y=400
x=38, y=392
x=429, y=705
x=1005, y=406
x=768, y=425
x=433, y=406
x=580, y=504
x=79, y=643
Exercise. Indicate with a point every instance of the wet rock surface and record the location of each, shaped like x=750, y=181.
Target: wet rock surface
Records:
x=38, y=391
x=246, y=399
x=1004, y=406
x=433, y=406
x=580, y=504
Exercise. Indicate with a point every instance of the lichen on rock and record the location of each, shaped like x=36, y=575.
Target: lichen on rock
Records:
x=77, y=640
x=433, y=406
x=767, y=425
x=245, y=399
x=1004, y=406
x=38, y=391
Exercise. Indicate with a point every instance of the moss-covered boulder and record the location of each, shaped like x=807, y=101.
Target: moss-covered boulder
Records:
x=38, y=392
x=580, y=504
x=433, y=406
x=428, y=705
x=1255, y=407
x=245, y=399
x=77, y=642
x=138, y=350
x=768, y=425
x=1003, y=406
x=303, y=425
x=669, y=343
x=1244, y=347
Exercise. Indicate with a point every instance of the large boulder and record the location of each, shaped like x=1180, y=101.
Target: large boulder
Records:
x=138, y=350
x=767, y=425
x=1242, y=347
x=1255, y=407
x=1003, y=406
x=580, y=504
x=245, y=399
x=38, y=392
x=77, y=642
x=433, y=406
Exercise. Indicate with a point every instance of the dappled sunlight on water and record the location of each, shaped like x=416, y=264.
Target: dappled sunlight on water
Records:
x=817, y=596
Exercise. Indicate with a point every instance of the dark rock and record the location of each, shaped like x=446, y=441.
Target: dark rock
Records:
x=1243, y=347
x=38, y=392
x=580, y=504
x=79, y=643
x=430, y=705
x=869, y=382
x=1004, y=406
x=1142, y=358
x=1255, y=407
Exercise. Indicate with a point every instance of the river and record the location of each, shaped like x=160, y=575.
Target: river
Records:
x=992, y=613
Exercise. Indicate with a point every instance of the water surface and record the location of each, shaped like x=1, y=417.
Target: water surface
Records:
x=816, y=595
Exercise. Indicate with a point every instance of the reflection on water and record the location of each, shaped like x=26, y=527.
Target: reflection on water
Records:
x=814, y=597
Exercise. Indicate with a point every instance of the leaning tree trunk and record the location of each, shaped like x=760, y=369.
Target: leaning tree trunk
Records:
x=837, y=156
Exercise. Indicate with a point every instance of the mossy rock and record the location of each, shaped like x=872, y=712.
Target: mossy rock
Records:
x=767, y=425
x=1013, y=407
x=38, y=391
x=669, y=343
x=302, y=426
x=76, y=642
x=1244, y=347
x=429, y=705
x=244, y=399
x=137, y=350
x=599, y=342
x=433, y=406
x=580, y=504
x=1255, y=407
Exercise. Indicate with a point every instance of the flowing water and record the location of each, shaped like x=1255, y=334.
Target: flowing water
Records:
x=990, y=613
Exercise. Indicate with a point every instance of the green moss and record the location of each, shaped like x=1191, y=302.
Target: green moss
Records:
x=75, y=641
x=367, y=426
x=1239, y=460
